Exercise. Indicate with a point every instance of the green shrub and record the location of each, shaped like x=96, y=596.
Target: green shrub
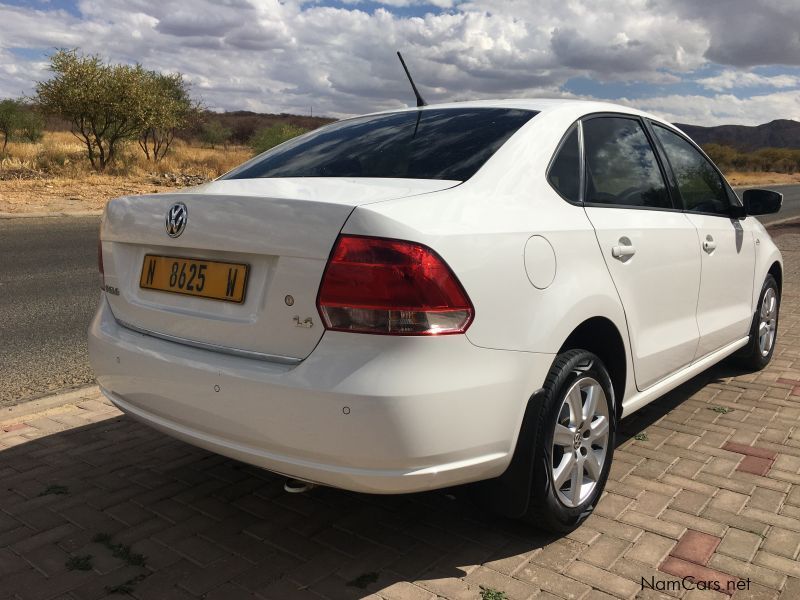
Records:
x=269, y=137
x=215, y=133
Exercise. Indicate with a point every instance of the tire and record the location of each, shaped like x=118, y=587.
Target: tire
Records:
x=759, y=350
x=567, y=443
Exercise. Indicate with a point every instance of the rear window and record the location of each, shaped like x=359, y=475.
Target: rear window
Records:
x=424, y=144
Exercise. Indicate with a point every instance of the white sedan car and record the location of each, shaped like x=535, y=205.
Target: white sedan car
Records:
x=464, y=293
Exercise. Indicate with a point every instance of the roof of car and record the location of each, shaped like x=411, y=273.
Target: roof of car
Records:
x=543, y=105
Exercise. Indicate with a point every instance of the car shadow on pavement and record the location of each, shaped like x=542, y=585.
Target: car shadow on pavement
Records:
x=156, y=516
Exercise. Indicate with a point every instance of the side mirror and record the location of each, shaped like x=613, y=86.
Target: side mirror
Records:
x=762, y=202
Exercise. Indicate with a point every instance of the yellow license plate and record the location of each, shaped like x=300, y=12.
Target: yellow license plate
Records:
x=192, y=277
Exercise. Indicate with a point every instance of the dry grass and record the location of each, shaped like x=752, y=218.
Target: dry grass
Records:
x=761, y=178
x=55, y=175
x=61, y=154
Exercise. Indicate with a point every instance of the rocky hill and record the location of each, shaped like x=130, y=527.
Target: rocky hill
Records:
x=781, y=133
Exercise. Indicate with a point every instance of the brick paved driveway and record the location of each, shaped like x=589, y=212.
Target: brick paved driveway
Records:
x=706, y=482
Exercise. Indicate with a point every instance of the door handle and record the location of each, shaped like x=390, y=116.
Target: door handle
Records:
x=709, y=245
x=624, y=251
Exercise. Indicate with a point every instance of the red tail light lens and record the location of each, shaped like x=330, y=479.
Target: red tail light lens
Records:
x=391, y=287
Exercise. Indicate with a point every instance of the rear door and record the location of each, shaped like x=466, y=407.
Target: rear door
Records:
x=650, y=246
x=724, y=308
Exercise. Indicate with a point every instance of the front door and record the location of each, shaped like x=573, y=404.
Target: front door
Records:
x=724, y=307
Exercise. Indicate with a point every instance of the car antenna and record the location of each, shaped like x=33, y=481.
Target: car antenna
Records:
x=420, y=100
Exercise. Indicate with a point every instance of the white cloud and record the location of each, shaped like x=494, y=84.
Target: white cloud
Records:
x=289, y=55
x=722, y=109
x=730, y=79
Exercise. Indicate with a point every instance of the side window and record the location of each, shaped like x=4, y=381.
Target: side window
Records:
x=564, y=173
x=621, y=167
x=699, y=183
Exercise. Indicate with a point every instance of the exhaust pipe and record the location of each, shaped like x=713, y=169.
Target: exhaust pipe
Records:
x=297, y=486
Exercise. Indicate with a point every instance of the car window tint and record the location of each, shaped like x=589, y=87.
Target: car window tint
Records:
x=621, y=167
x=420, y=144
x=698, y=181
x=564, y=173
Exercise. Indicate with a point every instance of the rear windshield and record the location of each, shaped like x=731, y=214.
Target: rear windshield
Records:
x=421, y=144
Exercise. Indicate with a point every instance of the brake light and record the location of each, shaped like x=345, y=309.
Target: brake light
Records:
x=391, y=287
x=100, y=264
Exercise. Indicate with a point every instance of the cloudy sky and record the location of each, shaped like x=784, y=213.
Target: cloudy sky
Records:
x=698, y=61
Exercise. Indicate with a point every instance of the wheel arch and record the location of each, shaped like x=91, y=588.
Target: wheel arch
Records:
x=601, y=336
x=777, y=272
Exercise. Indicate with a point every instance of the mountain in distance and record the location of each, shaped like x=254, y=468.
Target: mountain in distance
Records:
x=781, y=133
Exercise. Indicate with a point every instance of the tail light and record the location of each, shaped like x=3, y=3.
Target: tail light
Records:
x=391, y=287
x=100, y=264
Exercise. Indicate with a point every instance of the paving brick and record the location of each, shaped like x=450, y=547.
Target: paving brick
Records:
x=612, y=505
x=766, y=499
x=740, y=544
x=782, y=542
x=743, y=570
x=744, y=523
x=584, y=535
x=50, y=536
x=558, y=555
x=771, y=518
x=211, y=576
x=553, y=582
x=649, y=580
x=682, y=568
x=722, y=467
x=403, y=590
x=686, y=467
x=696, y=547
x=756, y=591
x=648, y=523
x=788, y=463
x=750, y=450
x=728, y=500
x=514, y=589
x=651, y=503
x=602, y=580
x=755, y=465
x=791, y=589
x=605, y=551
x=198, y=550
x=777, y=563
x=650, y=549
x=794, y=496
x=689, y=502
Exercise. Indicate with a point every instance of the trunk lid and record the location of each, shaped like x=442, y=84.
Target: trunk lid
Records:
x=282, y=229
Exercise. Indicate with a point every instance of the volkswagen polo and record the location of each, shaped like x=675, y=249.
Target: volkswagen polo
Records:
x=468, y=293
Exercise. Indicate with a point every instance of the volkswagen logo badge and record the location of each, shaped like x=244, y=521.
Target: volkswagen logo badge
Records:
x=176, y=219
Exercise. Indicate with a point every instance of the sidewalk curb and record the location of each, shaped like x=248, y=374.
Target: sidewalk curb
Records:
x=15, y=413
x=45, y=215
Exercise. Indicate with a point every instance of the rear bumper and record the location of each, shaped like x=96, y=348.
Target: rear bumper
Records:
x=366, y=413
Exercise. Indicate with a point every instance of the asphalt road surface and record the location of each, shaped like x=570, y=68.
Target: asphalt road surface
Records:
x=49, y=290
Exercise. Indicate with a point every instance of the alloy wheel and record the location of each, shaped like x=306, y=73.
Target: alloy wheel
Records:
x=768, y=321
x=580, y=441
